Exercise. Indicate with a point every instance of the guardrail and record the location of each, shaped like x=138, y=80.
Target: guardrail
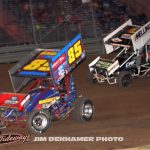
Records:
x=10, y=54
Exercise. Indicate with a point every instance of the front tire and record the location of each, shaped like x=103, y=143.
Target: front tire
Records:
x=83, y=110
x=124, y=79
x=39, y=121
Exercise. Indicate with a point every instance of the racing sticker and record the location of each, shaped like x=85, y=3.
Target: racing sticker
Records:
x=59, y=61
x=130, y=64
x=103, y=64
x=49, y=100
x=49, y=53
x=12, y=101
x=116, y=40
x=132, y=30
x=142, y=31
x=126, y=36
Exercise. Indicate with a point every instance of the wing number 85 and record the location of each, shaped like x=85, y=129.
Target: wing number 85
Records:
x=74, y=52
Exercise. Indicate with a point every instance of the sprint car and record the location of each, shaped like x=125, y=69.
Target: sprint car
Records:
x=50, y=89
x=130, y=47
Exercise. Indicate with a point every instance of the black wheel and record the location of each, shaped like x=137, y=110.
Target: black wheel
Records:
x=124, y=79
x=39, y=121
x=91, y=78
x=83, y=110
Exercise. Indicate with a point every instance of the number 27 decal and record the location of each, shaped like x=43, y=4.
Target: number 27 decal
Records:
x=74, y=52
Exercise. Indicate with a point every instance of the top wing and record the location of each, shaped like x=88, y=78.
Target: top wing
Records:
x=35, y=65
x=67, y=58
x=121, y=37
x=39, y=65
x=141, y=36
x=47, y=63
x=126, y=36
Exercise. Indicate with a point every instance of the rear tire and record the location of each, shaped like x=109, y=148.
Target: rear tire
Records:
x=83, y=110
x=39, y=121
x=91, y=78
x=124, y=79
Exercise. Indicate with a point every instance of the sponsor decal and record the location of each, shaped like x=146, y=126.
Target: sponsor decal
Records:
x=14, y=137
x=142, y=32
x=12, y=101
x=26, y=99
x=126, y=36
x=48, y=53
x=132, y=30
x=103, y=64
x=116, y=40
x=59, y=61
x=49, y=100
x=130, y=64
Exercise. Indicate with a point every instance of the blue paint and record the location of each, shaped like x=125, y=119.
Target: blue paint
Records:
x=48, y=57
x=63, y=50
x=37, y=95
x=33, y=103
x=33, y=73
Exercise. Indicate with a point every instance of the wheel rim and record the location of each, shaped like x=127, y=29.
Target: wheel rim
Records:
x=126, y=81
x=40, y=122
x=88, y=110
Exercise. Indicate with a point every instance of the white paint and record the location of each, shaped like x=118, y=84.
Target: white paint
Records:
x=93, y=63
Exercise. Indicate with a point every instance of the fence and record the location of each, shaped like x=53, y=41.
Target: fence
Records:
x=84, y=19
x=16, y=53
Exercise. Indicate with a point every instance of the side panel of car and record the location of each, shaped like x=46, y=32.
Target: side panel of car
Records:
x=67, y=59
x=40, y=97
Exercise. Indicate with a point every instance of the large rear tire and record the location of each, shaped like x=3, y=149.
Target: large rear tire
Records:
x=39, y=121
x=124, y=79
x=83, y=110
x=91, y=78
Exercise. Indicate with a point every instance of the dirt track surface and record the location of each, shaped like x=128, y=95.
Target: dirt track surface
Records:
x=118, y=113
